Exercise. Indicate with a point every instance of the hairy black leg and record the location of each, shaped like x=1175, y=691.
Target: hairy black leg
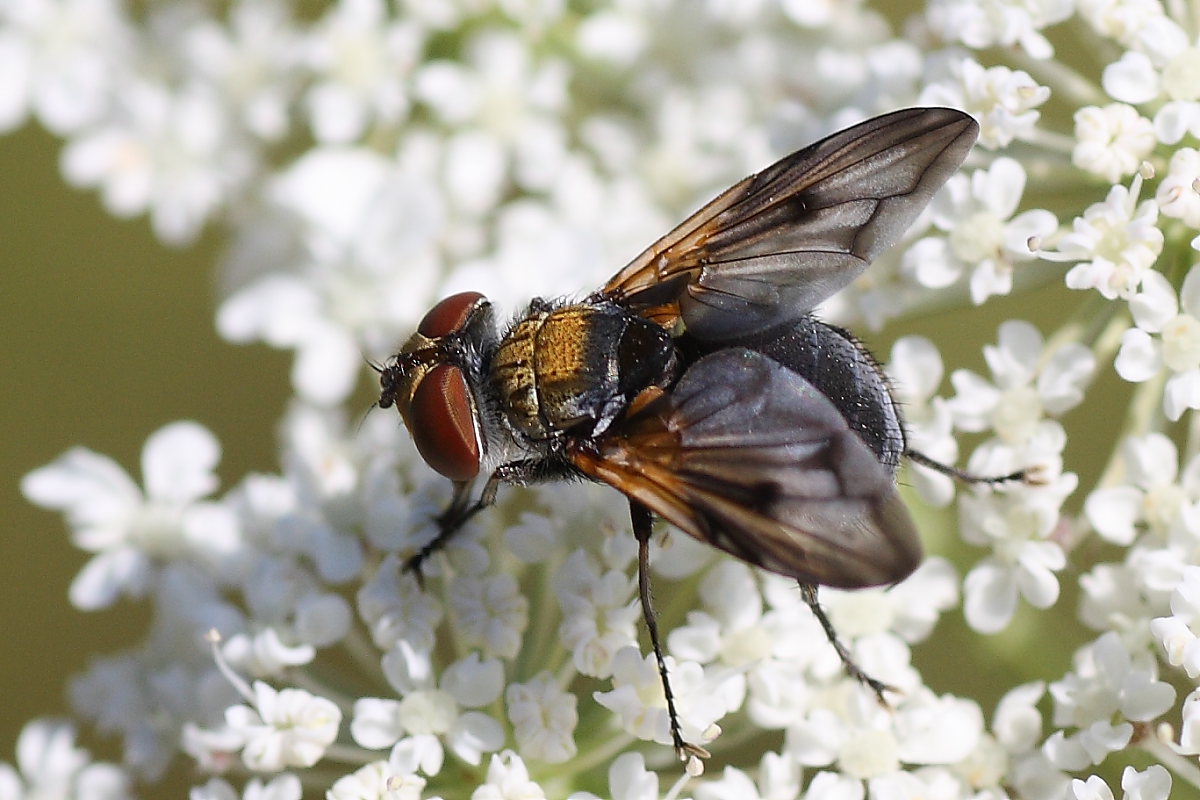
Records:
x=641, y=529
x=809, y=592
x=917, y=457
x=451, y=520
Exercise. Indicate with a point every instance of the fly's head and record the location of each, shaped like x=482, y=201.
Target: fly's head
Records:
x=430, y=383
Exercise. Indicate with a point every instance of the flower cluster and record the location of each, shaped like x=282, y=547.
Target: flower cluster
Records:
x=361, y=159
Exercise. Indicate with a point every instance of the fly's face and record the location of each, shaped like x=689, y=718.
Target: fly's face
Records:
x=434, y=383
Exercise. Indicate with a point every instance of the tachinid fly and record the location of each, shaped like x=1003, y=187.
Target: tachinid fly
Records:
x=697, y=381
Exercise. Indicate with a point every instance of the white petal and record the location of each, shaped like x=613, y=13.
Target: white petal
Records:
x=91, y=488
x=1036, y=580
x=1132, y=79
x=1151, y=459
x=15, y=66
x=106, y=576
x=1017, y=722
x=1182, y=393
x=1062, y=380
x=178, y=462
x=422, y=753
x=473, y=735
x=1016, y=357
x=932, y=263
x=474, y=682
x=376, y=723
x=1154, y=783
x=990, y=597
x=277, y=309
x=1189, y=295
x=1113, y=513
x=1154, y=305
x=1005, y=185
x=991, y=278
x=938, y=731
x=1036, y=222
x=322, y=619
x=916, y=367
x=974, y=400
x=1140, y=356
x=628, y=778
x=327, y=365
x=1175, y=120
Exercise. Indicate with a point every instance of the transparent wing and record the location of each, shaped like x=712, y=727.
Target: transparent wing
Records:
x=746, y=455
x=779, y=242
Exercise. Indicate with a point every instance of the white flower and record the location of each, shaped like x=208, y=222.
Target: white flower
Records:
x=508, y=779
x=915, y=369
x=778, y=779
x=172, y=154
x=1153, y=493
x=378, y=780
x=637, y=697
x=50, y=765
x=1119, y=242
x=361, y=59
x=1177, y=346
x=1189, y=732
x=1152, y=784
x=63, y=60
x=1121, y=20
x=1112, y=141
x=283, y=787
x=395, y=609
x=491, y=613
x=1027, y=383
x=285, y=728
x=982, y=234
x=1178, y=196
x=732, y=628
x=1161, y=66
x=1002, y=100
x=1107, y=682
x=250, y=62
x=129, y=530
x=985, y=23
x=1017, y=723
x=430, y=709
x=1117, y=597
x=1178, y=632
x=867, y=742
x=600, y=613
x=503, y=104
x=346, y=204
x=543, y=717
x=628, y=779
x=1016, y=526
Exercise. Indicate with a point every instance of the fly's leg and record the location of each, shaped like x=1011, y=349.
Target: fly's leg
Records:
x=641, y=529
x=917, y=457
x=461, y=509
x=808, y=591
x=452, y=520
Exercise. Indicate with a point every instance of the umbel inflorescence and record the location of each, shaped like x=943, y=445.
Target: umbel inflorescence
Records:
x=363, y=159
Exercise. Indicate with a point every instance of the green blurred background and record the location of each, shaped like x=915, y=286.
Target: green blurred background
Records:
x=108, y=336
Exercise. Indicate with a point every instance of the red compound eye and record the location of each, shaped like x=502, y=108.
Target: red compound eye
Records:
x=444, y=427
x=449, y=315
